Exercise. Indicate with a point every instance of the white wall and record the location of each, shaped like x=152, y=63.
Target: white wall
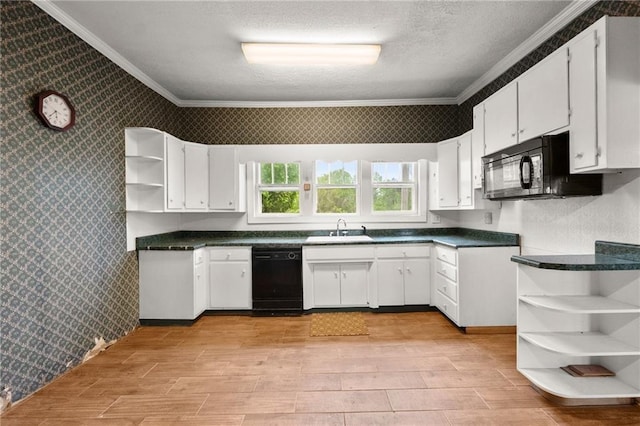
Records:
x=570, y=225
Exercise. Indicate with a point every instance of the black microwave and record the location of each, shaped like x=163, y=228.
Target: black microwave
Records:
x=537, y=168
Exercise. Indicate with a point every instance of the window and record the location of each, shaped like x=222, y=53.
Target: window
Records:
x=393, y=187
x=279, y=188
x=336, y=187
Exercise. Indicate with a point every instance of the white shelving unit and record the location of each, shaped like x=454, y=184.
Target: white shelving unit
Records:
x=145, y=169
x=580, y=317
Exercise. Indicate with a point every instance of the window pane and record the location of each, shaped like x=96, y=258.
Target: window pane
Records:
x=337, y=173
x=392, y=172
x=279, y=173
x=336, y=200
x=280, y=202
x=392, y=199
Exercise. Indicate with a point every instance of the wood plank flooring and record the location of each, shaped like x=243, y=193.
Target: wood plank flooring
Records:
x=412, y=369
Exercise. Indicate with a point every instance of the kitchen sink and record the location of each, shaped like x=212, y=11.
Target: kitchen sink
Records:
x=339, y=239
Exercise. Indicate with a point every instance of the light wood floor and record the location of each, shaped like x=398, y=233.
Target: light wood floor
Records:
x=413, y=369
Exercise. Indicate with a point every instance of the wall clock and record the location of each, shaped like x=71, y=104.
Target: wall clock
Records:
x=55, y=110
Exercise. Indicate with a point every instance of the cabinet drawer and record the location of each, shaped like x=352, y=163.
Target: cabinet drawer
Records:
x=198, y=256
x=447, y=306
x=447, y=270
x=447, y=287
x=447, y=254
x=229, y=253
x=395, y=252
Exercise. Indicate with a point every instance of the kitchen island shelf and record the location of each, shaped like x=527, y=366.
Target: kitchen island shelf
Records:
x=581, y=304
x=591, y=343
x=581, y=310
x=559, y=383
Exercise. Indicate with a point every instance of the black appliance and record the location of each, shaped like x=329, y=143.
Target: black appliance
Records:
x=277, y=281
x=537, y=168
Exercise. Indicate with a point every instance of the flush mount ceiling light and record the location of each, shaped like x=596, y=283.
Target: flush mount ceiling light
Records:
x=311, y=54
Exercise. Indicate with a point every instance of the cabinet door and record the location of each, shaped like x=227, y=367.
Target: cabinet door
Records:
x=390, y=283
x=448, y=173
x=354, y=284
x=501, y=119
x=417, y=278
x=583, y=142
x=465, y=184
x=200, y=300
x=230, y=285
x=223, y=178
x=196, y=166
x=326, y=285
x=477, y=145
x=175, y=173
x=543, y=97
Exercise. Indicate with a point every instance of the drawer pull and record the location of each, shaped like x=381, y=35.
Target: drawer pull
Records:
x=400, y=271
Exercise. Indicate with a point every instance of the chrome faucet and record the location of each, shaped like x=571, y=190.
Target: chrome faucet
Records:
x=338, y=226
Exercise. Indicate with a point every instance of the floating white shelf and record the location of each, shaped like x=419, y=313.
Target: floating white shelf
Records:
x=144, y=184
x=558, y=382
x=581, y=304
x=144, y=157
x=581, y=343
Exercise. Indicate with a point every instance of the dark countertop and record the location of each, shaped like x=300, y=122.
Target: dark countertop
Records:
x=609, y=256
x=452, y=237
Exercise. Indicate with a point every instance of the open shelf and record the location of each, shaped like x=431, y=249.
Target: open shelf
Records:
x=581, y=304
x=558, y=382
x=144, y=184
x=581, y=343
x=143, y=157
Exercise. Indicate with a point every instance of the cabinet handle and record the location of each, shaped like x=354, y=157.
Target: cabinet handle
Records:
x=400, y=271
x=521, y=130
x=513, y=135
x=409, y=270
x=579, y=155
x=201, y=202
x=344, y=275
x=335, y=275
x=243, y=273
x=230, y=203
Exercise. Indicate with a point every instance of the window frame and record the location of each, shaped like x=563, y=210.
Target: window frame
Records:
x=357, y=186
x=259, y=189
x=413, y=185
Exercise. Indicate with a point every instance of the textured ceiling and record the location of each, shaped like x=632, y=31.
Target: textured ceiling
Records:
x=430, y=49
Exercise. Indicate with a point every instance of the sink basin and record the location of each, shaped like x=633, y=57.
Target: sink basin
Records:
x=338, y=240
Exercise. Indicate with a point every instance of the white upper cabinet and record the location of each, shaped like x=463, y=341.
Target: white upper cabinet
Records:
x=196, y=165
x=227, y=180
x=175, y=173
x=543, y=97
x=477, y=145
x=448, y=173
x=454, y=180
x=604, y=87
x=501, y=119
x=465, y=184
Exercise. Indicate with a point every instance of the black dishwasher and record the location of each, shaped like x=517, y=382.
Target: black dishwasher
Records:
x=277, y=281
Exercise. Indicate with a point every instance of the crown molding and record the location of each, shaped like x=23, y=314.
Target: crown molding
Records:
x=568, y=14
x=90, y=38
x=317, y=104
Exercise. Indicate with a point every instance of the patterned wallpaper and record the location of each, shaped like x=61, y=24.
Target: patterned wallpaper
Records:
x=66, y=274
x=611, y=8
x=389, y=124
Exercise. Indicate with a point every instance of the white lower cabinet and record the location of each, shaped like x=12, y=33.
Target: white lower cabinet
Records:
x=340, y=284
x=475, y=286
x=580, y=317
x=403, y=275
x=337, y=276
x=173, y=284
x=230, y=277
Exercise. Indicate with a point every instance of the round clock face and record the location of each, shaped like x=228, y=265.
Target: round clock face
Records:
x=56, y=110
